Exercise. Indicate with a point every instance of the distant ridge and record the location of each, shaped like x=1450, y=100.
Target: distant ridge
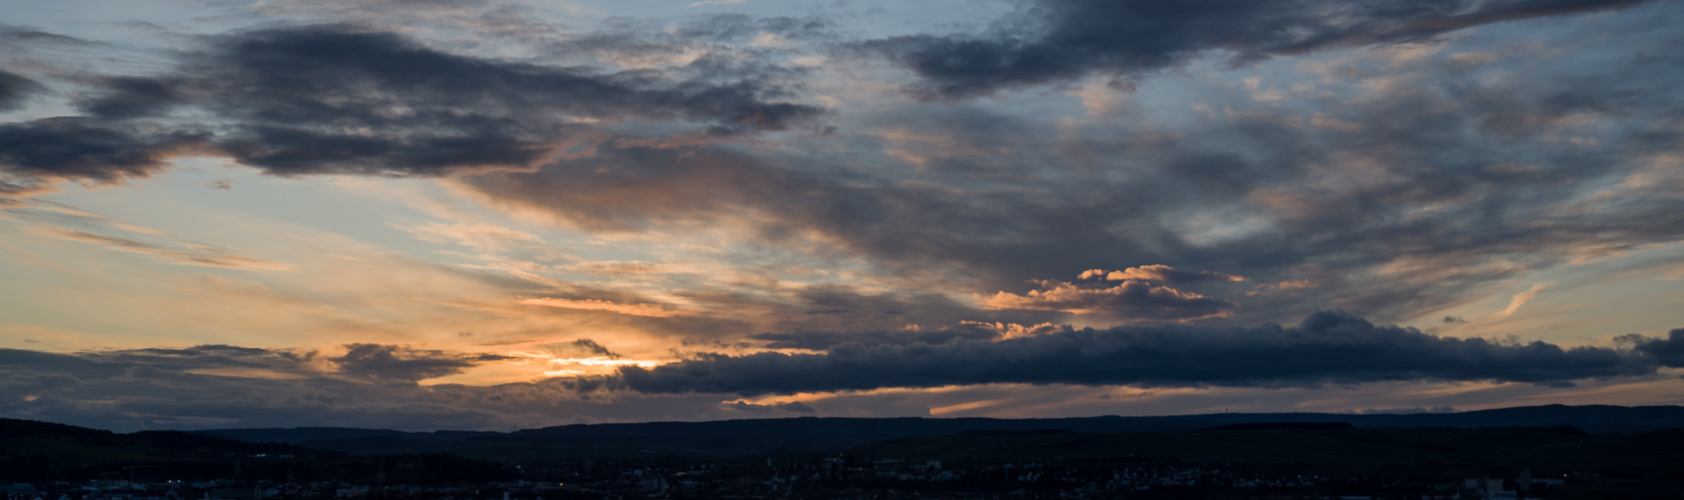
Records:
x=1291, y=426
x=815, y=434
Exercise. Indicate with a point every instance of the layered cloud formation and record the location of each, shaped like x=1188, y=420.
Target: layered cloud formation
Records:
x=501, y=212
x=219, y=384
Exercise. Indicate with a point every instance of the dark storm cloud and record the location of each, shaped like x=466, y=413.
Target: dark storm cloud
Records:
x=14, y=88
x=83, y=148
x=390, y=363
x=1060, y=40
x=1326, y=348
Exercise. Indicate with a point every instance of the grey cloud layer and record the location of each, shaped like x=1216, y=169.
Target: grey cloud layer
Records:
x=81, y=148
x=1390, y=202
x=1327, y=348
x=1060, y=40
x=14, y=88
x=370, y=386
x=1455, y=175
x=338, y=99
x=401, y=364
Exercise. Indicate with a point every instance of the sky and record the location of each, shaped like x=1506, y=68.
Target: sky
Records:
x=505, y=214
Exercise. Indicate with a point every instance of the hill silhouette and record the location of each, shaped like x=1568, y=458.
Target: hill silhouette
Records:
x=742, y=437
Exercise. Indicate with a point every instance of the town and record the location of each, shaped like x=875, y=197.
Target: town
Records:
x=833, y=477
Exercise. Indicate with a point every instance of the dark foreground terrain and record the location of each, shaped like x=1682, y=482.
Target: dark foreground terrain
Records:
x=1211, y=456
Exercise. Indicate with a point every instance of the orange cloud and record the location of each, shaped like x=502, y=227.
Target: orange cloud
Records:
x=1130, y=299
x=649, y=310
x=1158, y=272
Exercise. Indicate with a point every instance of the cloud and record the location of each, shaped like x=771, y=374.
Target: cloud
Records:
x=475, y=235
x=361, y=362
x=1667, y=351
x=1158, y=272
x=349, y=100
x=1521, y=299
x=591, y=347
x=14, y=88
x=210, y=357
x=1051, y=41
x=792, y=406
x=1405, y=411
x=64, y=222
x=390, y=363
x=1459, y=177
x=188, y=253
x=88, y=149
x=1326, y=348
x=1399, y=219
x=1131, y=300
x=822, y=340
x=649, y=310
x=717, y=2
x=370, y=386
x=209, y=385
x=1282, y=286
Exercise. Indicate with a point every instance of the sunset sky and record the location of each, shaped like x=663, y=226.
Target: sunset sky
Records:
x=502, y=214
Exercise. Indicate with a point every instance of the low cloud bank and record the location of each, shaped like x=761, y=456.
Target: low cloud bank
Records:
x=377, y=384
x=1326, y=348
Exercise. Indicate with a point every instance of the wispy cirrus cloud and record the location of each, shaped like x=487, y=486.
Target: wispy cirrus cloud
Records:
x=190, y=254
x=1520, y=299
x=650, y=310
x=63, y=222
